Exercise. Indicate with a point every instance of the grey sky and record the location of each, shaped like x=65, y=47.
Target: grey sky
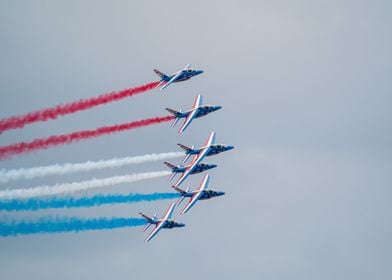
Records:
x=306, y=93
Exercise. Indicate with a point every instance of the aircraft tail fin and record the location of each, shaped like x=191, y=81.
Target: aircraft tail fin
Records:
x=188, y=151
x=176, y=114
x=150, y=221
x=173, y=112
x=185, y=148
x=171, y=166
x=160, y=74
x=181, y=191
x=145, y=217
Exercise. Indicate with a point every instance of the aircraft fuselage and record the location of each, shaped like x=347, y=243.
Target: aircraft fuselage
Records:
x=185, y=75
x=201, y=167
x=172, y=224
x=214, y=150
x=207, y=194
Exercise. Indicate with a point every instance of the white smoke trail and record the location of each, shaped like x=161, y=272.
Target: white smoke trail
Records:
x=79, y=186
x=67, y=168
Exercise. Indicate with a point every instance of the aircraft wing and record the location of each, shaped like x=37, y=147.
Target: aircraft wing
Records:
x=172, y=80
x=203, y=152
x=160, y=225
x=198, y=101
x=145, y=217
x=182, y=178
x=154, y=232
x=211, y=139
x=198, y=158
x=192, y=166
x=169, y=212
x=204, y=184
x=192, y=202
x=192, y=114
x=197, y=195
x=188, y=120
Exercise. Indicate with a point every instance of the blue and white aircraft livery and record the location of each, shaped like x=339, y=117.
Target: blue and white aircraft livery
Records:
x=202, y=193
x=165, y=222
x=198, y=158
x=201, y=167
x=214, y=150
x=179, y=76
x=197, y=111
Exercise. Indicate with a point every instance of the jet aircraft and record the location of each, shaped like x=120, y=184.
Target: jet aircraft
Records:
x=214, y=150
x=197, y=111
x=165, y=222
x=200, y=167
x=202, y=193
x=198, y=158
x=179, y=76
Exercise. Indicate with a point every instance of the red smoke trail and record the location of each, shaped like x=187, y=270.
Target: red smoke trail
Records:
x=69, y=108
x=55, y=140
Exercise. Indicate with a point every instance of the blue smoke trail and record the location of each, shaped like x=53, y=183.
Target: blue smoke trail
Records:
x=34, y=204
x=66, y=224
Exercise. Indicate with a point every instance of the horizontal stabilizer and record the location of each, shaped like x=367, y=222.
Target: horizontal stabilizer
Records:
x=172, y=176
x=174, y=122
x=180, y=200
x=146, y=226
x=160, y=84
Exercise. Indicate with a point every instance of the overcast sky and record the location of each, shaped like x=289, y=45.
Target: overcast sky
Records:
x=306, y=93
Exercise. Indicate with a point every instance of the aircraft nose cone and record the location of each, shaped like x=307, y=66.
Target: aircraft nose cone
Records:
x=229, y=147
x=198, y=72
x=181, y=225
x=218, y=107
x=213, y=165
x=221, y=193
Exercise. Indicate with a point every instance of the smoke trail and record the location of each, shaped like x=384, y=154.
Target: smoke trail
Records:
x=55, y=140
x=66, y=224
x=79, y=186
x=34, y=204
x=67, y=168
x=69, y=108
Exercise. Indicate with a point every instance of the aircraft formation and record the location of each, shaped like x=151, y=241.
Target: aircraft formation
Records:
x=210, y=148
x=52, y=196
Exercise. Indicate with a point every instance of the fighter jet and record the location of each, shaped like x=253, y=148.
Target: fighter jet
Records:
x=197, y=159
x=179, y=76
x=197, y=111
x=214, y=149
x=165, y=222
x=201, y=167
x=200, y=194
